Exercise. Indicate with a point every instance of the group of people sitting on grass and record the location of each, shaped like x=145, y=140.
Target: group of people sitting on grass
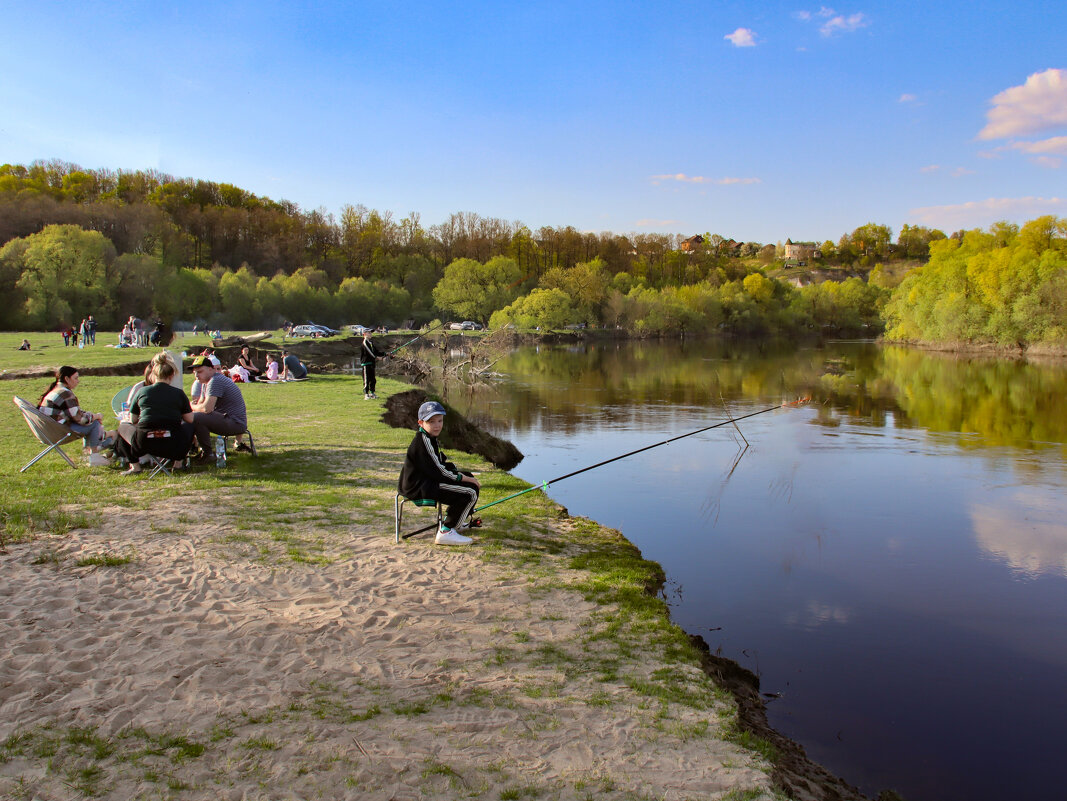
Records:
x=245, y=370
x=161, y=419
x=164, y=422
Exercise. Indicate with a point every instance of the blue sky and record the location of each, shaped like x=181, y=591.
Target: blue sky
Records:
x=757, y=121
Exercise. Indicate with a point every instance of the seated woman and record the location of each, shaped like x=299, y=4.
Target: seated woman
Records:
x=25, y=345
x=245, y=361
x=61, y=404
x=163, y=416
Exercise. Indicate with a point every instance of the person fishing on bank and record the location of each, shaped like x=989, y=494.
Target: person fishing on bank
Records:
x=428, y=474
x=368, y=357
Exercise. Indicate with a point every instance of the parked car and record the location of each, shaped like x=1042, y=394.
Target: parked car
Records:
x=470, y=325
x=312, y=330
x=359, y=329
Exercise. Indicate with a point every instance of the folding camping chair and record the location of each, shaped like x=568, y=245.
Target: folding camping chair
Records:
x=48, y=432
x=159, y=464
x=425, y=503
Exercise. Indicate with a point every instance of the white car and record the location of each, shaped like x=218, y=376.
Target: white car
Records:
x=359, y=329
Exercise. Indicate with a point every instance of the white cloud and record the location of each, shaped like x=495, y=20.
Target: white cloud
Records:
x=981, y=213
x=906, y=98
x=834, y=23
x=1038, y=105
x=681, y=177
x=1057, y=144
x=961, y=171
x=843, y=24
x=930, y=168
x=742, y=37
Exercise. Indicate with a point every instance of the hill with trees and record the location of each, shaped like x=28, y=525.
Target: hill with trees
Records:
x=115, y=243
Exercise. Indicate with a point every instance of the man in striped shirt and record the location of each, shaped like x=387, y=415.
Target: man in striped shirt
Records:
x=220, y=409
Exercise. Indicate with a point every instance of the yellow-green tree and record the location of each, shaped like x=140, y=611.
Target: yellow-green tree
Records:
x=473, y=290
x=64, y=274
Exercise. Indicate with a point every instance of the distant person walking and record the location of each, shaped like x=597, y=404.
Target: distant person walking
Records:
x=92, y=330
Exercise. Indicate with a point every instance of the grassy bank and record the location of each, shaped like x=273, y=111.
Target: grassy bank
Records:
x=323, y=482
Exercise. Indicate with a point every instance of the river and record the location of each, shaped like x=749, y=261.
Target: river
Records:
x=890, y=557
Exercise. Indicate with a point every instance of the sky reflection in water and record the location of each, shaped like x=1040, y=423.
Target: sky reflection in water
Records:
x=890, y=558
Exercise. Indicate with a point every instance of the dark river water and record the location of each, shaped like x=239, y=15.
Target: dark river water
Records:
x=890, y=558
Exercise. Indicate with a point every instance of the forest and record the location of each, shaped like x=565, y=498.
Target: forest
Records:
x=114, y=243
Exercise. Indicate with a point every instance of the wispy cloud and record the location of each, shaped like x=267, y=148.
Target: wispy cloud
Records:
x=681, y=177
x=956, y=172
x=843, y=24
x=907, y=98
x=742, y=37
x=981, y=213
x=1038, y=105
x=832, y=22
x=1046, y=153
x=1057, y=144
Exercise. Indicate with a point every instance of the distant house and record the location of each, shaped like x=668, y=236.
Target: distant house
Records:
x=801, y=251
x=691, y=243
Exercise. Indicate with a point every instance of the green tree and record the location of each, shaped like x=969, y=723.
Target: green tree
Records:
x=237, y=298
x=472, y=290
x=65, y=275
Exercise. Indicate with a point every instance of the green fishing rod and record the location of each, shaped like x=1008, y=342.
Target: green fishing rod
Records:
x=424, y=333
x=544, y=485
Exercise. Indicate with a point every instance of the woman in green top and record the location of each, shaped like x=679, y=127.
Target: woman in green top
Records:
x=163, y=416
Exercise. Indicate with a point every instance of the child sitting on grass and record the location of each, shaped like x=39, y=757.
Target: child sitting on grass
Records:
x=427, y=474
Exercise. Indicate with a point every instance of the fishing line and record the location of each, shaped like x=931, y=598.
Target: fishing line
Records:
x=544, y=485
x=424, y=333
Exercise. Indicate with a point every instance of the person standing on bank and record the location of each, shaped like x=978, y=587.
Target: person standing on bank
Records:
x=428, y=474
x=368, y=356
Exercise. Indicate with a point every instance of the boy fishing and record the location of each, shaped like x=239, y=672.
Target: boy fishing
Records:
x=427, y=474
x=368, y=357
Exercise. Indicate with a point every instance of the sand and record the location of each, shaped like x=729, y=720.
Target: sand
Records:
x=201, y=670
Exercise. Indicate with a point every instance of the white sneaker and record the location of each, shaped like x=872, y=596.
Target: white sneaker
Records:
x=447, y=536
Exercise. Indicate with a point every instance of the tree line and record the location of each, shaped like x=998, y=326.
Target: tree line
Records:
x=115, y=243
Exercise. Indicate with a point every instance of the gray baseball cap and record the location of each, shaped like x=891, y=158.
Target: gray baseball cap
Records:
x=429, y=409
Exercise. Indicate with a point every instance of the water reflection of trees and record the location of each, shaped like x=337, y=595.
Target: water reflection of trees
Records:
x=988, y=402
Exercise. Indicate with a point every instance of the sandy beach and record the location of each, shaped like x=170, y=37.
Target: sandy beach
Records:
x=195, y=668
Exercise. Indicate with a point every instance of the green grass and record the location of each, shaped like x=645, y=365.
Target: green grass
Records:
x=104, y=560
